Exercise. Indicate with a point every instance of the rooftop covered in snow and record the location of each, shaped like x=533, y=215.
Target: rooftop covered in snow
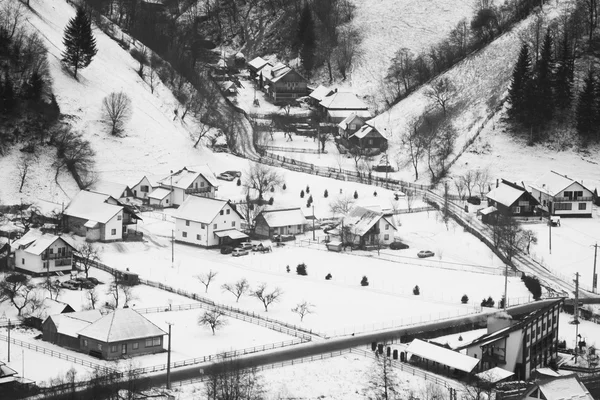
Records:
x=553, y=183
x=201, y=209
x=92, y=206
x=120, y=325
x=343, y=101
x=450, y=358
x=284, y=217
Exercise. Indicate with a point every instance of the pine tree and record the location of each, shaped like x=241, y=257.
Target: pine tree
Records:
x=544, y=106
x=79, y=42
x=8, y=93
x=306, y=38
x=520, y=81
x=563, y=84
x=586, y=111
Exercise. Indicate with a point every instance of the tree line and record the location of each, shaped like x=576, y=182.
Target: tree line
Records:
x=408, y=71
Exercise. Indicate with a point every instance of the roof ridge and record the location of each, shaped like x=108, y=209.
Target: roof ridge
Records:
x=112, y=320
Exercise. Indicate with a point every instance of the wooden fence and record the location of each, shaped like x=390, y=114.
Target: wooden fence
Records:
x=293, y=149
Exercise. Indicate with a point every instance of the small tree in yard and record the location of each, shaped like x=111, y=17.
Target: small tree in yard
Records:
x=19, y=290
x=260, y=178
x=207, y=278
x=489, y=302
x=302, y=194
x=88, y=254
x=266, y=297
x=238, y=289
x=364, y=281
x=214, y=319
x=355, y=195
x=79, y=42
x=92, y=296
x=341, y=205
x=326, y=194
x=533, y=284
x=464, y=299
x=117, y=109
x=301, y=269
x=328, y=276
x=416, y=290
x=303, y=309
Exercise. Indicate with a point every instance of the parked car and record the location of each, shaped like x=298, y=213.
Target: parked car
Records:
x=398, y=246
x=239, y=252
x=235, y=174
x=425, y=254
x=225, y=177
x=93, y=280
x=69, y=285
x=246, y=245
x=474, y=200
x=226, y=250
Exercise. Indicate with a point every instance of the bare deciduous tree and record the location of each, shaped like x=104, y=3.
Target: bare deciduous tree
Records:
x=441, y=91
x=266, y=297
x=260, y=178
x=74, y=153
x=302, y=309
x=89, y=255
x=341, y=205
x=128, y=295
x=383, y=380
x=24, y=166
x=468, y=181
x=116, y=109
x=415, y=144
x=213, y=318
x=347, y=52
x=481, y=179
x=92, y=297
x=207, y=278
x=460, y=187
x=238, y=289
x=19, y=290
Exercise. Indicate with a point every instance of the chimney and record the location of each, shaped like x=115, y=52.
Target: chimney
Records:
x=497, y=184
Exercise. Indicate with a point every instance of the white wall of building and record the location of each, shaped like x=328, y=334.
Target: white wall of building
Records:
x=113, y=229
x=228, y=220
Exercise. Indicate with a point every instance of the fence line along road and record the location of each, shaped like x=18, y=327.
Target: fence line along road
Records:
x=293, y=149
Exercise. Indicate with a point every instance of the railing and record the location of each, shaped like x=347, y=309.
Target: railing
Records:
x=55, y=256
x=413, y=210
x=198, y=190
x=569, y=199
x=293, y=149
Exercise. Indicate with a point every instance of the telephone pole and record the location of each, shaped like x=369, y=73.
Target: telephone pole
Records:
x=172, y=248
x=505, y=286
x=169, y=358
x=576, y=310
x=550, y=233
x=594, y=276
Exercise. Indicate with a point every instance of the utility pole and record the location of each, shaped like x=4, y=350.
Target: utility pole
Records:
x=172, y=248
x=550, y=232
x=9, y=340
x=595, y=277
x=505, y=286
x=576, y=309
x=313, y=207
x=169, y=358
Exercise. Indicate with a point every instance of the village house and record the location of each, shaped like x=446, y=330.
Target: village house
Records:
x=118, y=191
x=46, y=308
x=41, y=253
x=208, y=222
x=121, y=333
x=255, y=65
x=7, y=374
x=339, y=105
x=144, y=187
x=317, y=95
x=62, y=329
x=282, y=83
x=521, y=343
x=511, y=199
x=367, y=137
x=228, y=88
x=285, y=221
x=175, y=188
x=366, y=227
x=350, y=125
x=563, y=196
x=562, y=387
x=98, y=217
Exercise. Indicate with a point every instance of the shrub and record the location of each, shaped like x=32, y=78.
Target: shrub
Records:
x=287, y=268
x=328, y=276
x=239, y=182
x=416, y=290
x=284, y=187
x=326, y=194
x=364, y=281
x=355, y=194
x=489, y=302
x=301, y=269
x=464, y=299
x=533, y=285
x=271, y=201
x=307, y=204
x=272, y=189
x=474, y=200
x=310, y=199
x=396, y=197
x=302, y=194
x=375, y=193
x=307, y=189
x=501, y=303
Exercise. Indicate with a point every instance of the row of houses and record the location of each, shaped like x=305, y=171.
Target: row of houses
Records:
x=553, y=193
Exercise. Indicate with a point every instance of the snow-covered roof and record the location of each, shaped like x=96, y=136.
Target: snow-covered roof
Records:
x=487, y=210
x=184, y=178
x=442, y=355
x=366, y=130
x=226, y=85
x=152, y=180
x=257, y=63
x=361, y=219
x=320, y=93
x=120, y=325
x=275, y=72
x=349, y=119
x=343, y=101
x=346, y=113
x=201, y=209
x=71, y=323
x=35, y=242
x=159, y=193
x=553, y=183
x=505, y=194
x=92, y=206
x=53, y=307
x=564, y=388
x=284, y=217
x=494, y=375
x=231, y=233
x=7, y=374
x=113, y=189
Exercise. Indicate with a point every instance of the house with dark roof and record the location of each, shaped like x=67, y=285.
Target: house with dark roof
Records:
x=521, y=343
x=284, y=221
x=39, y=253
x=339, y=105
x=177, y=186
x=208, y=222
x=121, y=333
x=282, y=83
x=563, y=196
x=63, y=329
x=366, y=227
x=511, y=199
x=566, y=387
x=48, y=307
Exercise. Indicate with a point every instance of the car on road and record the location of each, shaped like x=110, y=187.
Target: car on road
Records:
x=235, y=174
x=246, y=245
x=425, y=254
x=69, y=285
x=225, y=177
x=239, y=252
x=226, y=250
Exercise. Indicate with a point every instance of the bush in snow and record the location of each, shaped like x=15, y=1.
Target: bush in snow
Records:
x=375, y=193
x=302, y=194
x=272, y=189
x=271, y=201
x=287, y=268
x=310, y=199
x=307, y=189
x=416, y=290
x=355, y=194
x=239, y=182
x=533, y=284
x=489, y=302
x=301, y=269
x=326, y=194
x=464, y=299
x=328, y=276
x=364, y=281
x=284, y=187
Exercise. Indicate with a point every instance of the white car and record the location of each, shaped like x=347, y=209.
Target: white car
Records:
x=239, y=252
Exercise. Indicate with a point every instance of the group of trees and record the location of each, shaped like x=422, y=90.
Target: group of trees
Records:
x=510, y=238
x=408, y=71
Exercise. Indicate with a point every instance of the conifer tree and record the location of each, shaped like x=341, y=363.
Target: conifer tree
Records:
x=8, y=93
x=544, y=106
x=519, y=83
x=586, y=110
x=563, y=84
x=79, y=42
x=306, y=38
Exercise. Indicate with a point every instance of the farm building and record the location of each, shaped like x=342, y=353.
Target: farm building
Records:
x=62, y=329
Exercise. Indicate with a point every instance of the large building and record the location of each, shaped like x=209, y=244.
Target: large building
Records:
x=521, y=343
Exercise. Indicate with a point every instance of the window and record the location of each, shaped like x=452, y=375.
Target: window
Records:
x=85, y=343
x=167, y=201
x=202, y=226
x=221, y=212
x=201, y=184
x=22, y=261
x=563, y=206
x=578, y=194
x=135, y=345
x=516, y=210
x=582, y=206
x=387, y=226
x=370, y=142
x=148, y=342
x=113, y=348
x=144, y=188
x=232, y=223
x=156, y=341
x=187, y=223
x=184, y=234
x=99, y=346
x=51, y=250
x=113, y=232
x=386, y=237
x=228, y=210
x=569, y=195
x=214, y=226
x=124, y=348
x=119, y=217
x=198, y=237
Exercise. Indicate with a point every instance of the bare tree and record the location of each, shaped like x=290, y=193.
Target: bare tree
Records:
x=24, y=166
x=238, y=289
x=266, y=297
x=117, y=109
x=468, y=181
x=75, y=154
x=383, y=380
x=11, y=15
x=401, y=73
x=93, y=297
x=347, y=51
x=88, y=256
x=441, y=91
x=114, y=290
x=415, y=144
x=250, y=211
x=260, y=178
x=153, y=78
x=229, y=380
x=481, y=178
x=128, y=295
x=207, y=278
x=53, y=287
x=460, y=187
x=213, y=318
x=303, y=309
x=19, y=290
x=342, y=205
x=528, y=237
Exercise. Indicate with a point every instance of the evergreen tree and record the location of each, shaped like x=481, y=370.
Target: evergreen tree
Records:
x=563, y=84
x=519, y=83
x=306, y=38
x=79, y=42
x=544, y=106
x=586, y=110
x=8, y=94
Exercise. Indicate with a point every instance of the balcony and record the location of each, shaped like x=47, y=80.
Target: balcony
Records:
x=56, y=256
x=573, y=199
x=493, y=358
x=198, y=190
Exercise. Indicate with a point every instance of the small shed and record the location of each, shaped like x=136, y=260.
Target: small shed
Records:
x=442, y=356
x=334, y=246
x=487, y=214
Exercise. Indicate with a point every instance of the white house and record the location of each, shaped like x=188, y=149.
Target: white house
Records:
x=39, y=253
x=558, y=388
x=367, y=227
x=98, y=217
x=175, y=188
x=208, y=222
x=283, y=221
x=339, y=105
x=560, y=195
x=119, y=191
x=144, y=187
